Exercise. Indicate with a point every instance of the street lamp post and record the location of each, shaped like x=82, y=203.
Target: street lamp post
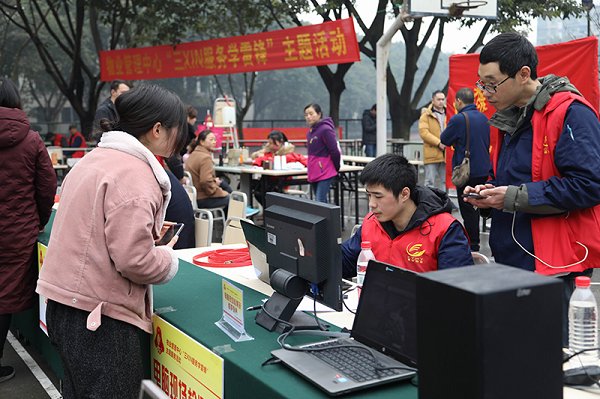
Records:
x=588, y=5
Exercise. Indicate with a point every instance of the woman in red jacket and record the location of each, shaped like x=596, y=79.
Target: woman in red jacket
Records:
x=26, y=197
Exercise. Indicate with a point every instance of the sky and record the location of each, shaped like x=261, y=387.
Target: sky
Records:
x=455, y=41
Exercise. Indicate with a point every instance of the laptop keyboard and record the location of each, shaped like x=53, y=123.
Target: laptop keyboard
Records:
x=352, y=362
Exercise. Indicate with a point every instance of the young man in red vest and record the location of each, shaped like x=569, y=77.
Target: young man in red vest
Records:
x=408, y=226
x=544, y=195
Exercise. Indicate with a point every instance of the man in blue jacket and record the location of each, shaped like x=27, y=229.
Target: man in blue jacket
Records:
x=479, y=155
x=545, y=195
x=408, y=226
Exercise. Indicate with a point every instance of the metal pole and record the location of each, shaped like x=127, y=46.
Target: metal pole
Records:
x=383, y=51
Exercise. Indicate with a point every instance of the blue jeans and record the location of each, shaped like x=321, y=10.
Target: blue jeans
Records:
x=370, y=150
x=321, y=189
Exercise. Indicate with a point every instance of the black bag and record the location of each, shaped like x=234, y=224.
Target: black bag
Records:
x=461, y=173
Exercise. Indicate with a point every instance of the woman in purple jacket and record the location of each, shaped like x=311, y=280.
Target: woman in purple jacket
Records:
x=323, y=151
x=26, y=198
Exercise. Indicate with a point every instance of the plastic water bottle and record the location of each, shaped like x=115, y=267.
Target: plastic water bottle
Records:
x=583, y=321
x=364, y=257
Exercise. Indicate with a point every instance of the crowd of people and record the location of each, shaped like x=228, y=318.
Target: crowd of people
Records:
x=539, y=186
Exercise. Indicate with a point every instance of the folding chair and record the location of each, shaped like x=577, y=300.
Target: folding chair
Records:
x=203, y=224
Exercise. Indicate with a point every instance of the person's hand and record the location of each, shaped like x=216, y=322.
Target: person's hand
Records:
x=442, y=147
x=173, y=241
x=218, y=180
x=164, y=229
x=493, y=196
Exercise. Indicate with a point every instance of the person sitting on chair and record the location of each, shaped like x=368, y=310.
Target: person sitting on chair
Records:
x=213, y=192
x=408, y=225
x=277, y=145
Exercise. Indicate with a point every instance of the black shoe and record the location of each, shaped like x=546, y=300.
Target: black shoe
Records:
x=6, y=373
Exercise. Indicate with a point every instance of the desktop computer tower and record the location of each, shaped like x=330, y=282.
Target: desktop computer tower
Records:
x=489, y=332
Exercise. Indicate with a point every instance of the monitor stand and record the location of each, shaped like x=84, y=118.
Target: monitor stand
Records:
x=284, y=308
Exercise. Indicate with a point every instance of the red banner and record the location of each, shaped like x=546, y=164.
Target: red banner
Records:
x=576, y=59
x=328, y=43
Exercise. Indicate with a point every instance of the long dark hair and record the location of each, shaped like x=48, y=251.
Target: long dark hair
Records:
x=140, y=108
x=9, y=94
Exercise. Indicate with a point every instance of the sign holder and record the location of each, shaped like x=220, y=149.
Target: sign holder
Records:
x=232, y=321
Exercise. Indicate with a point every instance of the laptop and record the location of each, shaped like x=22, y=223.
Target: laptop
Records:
x=385, y=322
x=256, y=239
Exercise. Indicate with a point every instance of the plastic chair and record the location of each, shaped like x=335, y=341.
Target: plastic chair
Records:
x=238, y=206
x=218, y=213
x=187, y=175
x=203, y=224
x=233, y=232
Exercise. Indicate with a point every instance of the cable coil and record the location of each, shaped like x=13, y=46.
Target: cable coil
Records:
x=224, y=258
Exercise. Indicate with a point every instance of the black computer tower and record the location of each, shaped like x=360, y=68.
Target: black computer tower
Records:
x=489, y=332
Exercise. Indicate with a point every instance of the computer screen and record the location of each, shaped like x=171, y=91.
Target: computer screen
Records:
x=304, y=255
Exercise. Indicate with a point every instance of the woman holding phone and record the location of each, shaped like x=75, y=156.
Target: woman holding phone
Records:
x=102, y=256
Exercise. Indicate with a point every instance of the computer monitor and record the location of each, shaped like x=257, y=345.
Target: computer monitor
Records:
x=305, y=258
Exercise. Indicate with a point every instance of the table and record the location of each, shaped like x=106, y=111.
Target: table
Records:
x=243, y=373
x=192, y=294
x=398, y=145
x=347, y=180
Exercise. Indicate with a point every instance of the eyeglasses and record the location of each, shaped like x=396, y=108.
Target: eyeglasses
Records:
x=489, y=88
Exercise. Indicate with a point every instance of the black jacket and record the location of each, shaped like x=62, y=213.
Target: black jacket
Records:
x=369, y=128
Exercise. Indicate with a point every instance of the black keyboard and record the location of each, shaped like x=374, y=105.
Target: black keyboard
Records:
x=352, y=362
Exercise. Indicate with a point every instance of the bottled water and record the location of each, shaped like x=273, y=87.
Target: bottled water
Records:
x=583, y=321
x=364, y=257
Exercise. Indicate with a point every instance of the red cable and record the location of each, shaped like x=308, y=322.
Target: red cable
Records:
x=224, y=258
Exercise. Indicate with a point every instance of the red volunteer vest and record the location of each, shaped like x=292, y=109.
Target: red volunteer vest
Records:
x=77, y=154
x=415, y=250
x=555, y=238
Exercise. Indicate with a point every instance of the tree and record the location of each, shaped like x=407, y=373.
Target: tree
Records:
x=404, y=102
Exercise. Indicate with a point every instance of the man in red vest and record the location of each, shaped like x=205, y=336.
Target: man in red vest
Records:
x=76, y=140
x=544, y=194
x=408, y=226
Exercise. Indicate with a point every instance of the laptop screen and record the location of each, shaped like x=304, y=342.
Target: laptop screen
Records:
x=386, y=318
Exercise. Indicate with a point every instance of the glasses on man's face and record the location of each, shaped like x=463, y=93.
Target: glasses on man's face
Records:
x=489, y=88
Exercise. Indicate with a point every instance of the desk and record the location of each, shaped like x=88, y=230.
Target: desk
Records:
x=193, y=295
x=244, y=377
x=347, y=180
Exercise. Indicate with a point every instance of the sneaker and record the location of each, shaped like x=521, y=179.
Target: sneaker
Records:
x=6, y=373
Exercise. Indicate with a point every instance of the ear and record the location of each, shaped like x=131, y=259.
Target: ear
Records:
x=405, y=194
x=156, y=129
x=524, y=74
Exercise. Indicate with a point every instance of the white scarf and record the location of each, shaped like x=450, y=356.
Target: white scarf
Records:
x=128, y=144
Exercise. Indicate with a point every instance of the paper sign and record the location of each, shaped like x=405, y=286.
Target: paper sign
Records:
x=182, y=367
x=232, y=321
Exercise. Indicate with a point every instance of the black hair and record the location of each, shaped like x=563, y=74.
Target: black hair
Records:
x=314, y=106
x=191, y=112
x=511, y=51
x=9, y=94
x=393, y=172
x=114, y=85
x=72, y=127
x=465, y=95
x=201, y=137
x=436, y=92
x=142, y=107
x=374, y=107
x=277, y=136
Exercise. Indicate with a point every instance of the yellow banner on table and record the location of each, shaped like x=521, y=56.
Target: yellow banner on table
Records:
x=182, y=367
x=41, y=252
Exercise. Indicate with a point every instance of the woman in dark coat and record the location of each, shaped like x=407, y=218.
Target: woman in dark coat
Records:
x=27, y=189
